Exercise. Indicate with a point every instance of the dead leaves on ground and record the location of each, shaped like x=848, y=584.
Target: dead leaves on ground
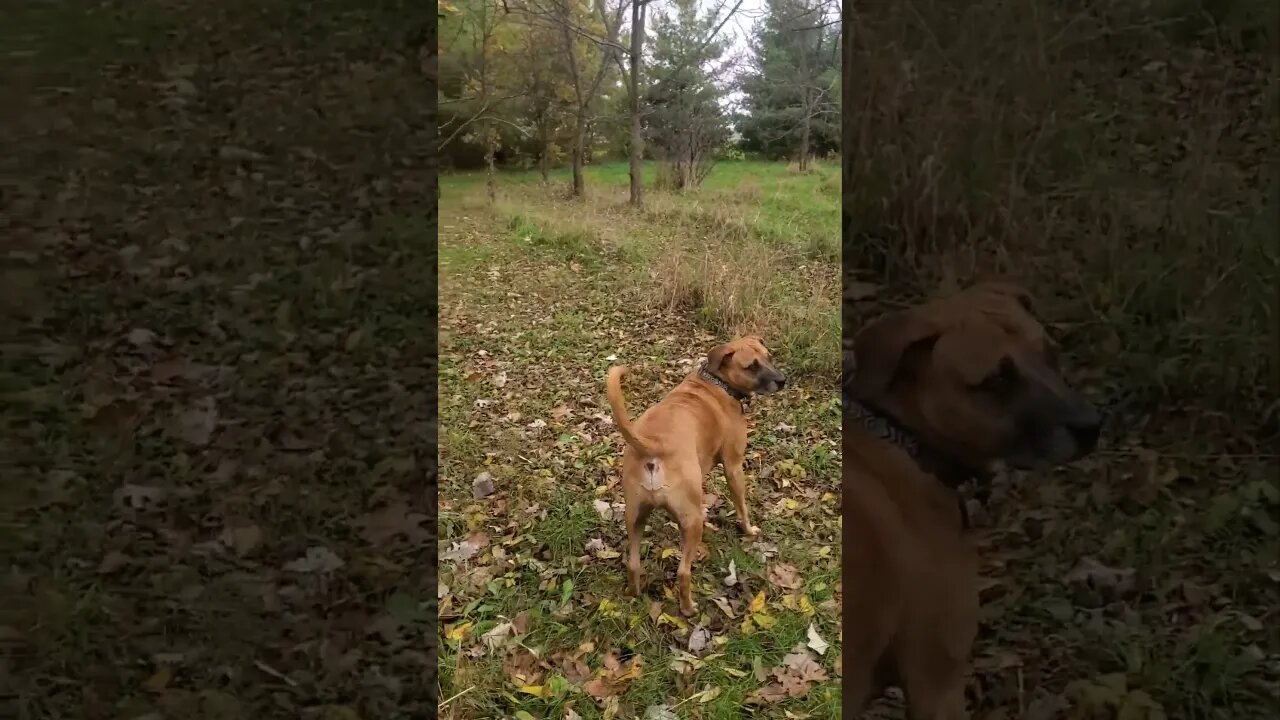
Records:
x=798, y=672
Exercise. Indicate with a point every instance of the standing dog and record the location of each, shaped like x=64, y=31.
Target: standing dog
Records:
x=674, y=444
x=941, y=393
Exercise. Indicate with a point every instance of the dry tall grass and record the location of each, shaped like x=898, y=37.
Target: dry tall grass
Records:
x=1115, y=156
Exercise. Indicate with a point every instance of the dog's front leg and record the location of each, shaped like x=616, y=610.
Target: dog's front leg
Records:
x=738, y=489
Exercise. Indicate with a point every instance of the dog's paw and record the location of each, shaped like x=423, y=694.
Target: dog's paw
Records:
x=751, y=531
x=689, y=611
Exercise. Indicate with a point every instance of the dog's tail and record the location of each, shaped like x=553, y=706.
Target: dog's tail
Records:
x=620, y=417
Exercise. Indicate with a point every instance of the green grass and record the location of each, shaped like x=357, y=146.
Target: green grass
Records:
x=541, y=291
x=755, y=249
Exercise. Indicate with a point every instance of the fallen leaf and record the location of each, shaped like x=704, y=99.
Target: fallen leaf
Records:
x=784, y=576
x=698, y=639
x=498, y=635
x=816, y=642
x=757, y=602
x=139, y=497
x=457, y=632
x=392, y=521
x=112, y=562
x=159, y=680
x=482, y=486
x=723, y=604
x=142, y=338
x=197, y=424
x=241, y=539
x=318, y=559
x=460, y=551
x=659, y=712
x=732, y=578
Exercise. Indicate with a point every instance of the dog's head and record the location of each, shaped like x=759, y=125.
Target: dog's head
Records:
x=745, y=364
x=975, y=375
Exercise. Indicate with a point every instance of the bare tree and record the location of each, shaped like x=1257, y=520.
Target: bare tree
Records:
x=561, y=15
x=637, y=138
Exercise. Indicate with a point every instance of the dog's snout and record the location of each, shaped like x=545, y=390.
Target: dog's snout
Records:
x=782, y=382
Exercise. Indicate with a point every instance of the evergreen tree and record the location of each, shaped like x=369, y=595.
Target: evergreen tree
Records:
x=685, y=122
x=791, y=104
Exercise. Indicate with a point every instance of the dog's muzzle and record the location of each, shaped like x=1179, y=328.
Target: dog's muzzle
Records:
x=771, y=381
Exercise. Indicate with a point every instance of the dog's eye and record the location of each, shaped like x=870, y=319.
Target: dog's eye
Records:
x=1001, y=382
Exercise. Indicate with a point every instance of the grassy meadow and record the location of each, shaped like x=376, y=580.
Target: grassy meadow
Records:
x=539, y=296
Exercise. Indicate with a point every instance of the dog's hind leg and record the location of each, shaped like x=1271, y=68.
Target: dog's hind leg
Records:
x=637, y=513
x=690, y=537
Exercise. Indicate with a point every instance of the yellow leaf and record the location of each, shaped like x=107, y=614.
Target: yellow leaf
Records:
x=806, y=605
x=790, y=602
x=457, y=632
x=757, y=602
x=671, y=620
x=824, y=551
x=764, y=621
x=668, y=593
x=709, y=694
x=746, y=628
x=156, y=683
x=632, y=672
x=668, y=552
x=608, y=554
x=535, y=690
x=735, y=672
x=828, y=497
x=790, y=504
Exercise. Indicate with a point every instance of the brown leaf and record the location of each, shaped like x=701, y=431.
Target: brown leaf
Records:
x=197, y=423
x=522, y=666
x=158, y=681
x=393, y=521
x=802, y=664
x=112, y=562
x=318, y=559
x=521, y=622
x=242, y=539
x=784, y=575
x=767, y=695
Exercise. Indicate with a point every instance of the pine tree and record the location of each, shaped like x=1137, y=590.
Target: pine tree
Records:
x=792, y=91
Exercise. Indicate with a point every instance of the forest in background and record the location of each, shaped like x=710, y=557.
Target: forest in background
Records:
x=548, y=83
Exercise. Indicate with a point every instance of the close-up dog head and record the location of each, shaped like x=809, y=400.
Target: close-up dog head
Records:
x=975, y=375
x=746, y=365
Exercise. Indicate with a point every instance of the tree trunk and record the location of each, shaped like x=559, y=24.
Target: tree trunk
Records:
x=544, y=162
x=804, y=143
x=490, y=177
x=579, y=150
x=637, y=47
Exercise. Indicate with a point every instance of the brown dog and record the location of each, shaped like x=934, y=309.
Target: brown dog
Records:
x=941, y=393
x=674, y=444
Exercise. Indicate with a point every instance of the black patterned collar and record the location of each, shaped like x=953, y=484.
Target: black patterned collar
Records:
x=744, y=400
x=947, y=470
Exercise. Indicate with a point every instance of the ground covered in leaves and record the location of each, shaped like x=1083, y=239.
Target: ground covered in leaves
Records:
x=219, y=277
x=534, y=619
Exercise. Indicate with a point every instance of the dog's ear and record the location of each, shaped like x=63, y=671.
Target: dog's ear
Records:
x=718, y=355
x=881, y=349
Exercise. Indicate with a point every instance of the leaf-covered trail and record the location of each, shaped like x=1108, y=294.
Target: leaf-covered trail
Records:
x=526, y=338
